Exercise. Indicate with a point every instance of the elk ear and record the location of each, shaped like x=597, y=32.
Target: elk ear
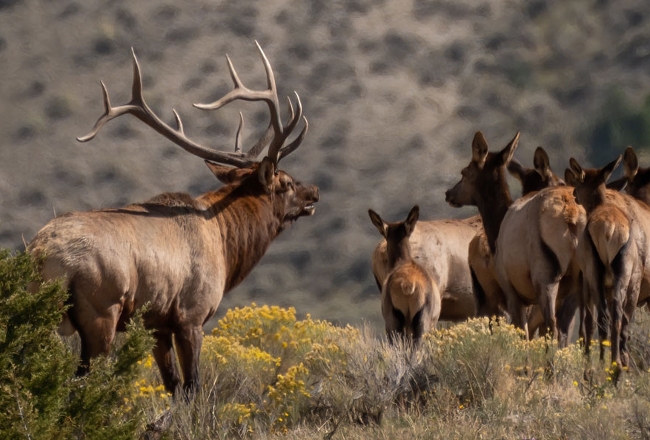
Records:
x=505, y=155
x=608, y=169
x=541, y=163
x=516, y=169
x=266, y=173
x=577, y=170
x=479, y=149
x=630, y=163
x=225, y=174
x=412, y=219
x=570, y=178
x=378, y=222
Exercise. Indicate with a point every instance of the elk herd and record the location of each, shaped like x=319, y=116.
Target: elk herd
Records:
x=566, y=247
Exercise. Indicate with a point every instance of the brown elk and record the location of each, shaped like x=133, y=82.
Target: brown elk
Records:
x=532, y=240
x=410, y=299
x=635, y=180
x=176, y=253
x=444, y=247
x=490, y=299
x=613, y=254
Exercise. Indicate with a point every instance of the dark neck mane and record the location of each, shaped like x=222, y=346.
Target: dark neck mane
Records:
x=493, y=201
x=398, y=252
x=247, y=223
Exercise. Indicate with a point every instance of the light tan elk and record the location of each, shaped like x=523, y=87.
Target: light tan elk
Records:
x=490, y=299
x=613, y=254
x=440, y=246
x=177, y=254
x=532, y=240
x=410, y=299
x=443, y=248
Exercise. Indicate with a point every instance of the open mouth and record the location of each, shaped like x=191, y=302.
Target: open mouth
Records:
x=454, y=205
x=308, y=210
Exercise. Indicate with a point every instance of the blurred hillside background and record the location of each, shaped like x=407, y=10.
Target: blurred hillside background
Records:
x=394, y=92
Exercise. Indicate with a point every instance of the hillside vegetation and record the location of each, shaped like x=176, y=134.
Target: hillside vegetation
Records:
x=393, y=91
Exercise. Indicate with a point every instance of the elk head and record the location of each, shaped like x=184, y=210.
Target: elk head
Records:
x=396, y=234
x=537, y=178
x=635, y=179
x=485, y=170
x=291, y=199
x=589, y=183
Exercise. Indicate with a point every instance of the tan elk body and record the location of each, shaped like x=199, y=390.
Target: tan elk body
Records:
x=532, y=240
x=490, y=299
x=444, y=248
x=176, y=254
x=441, y=247
x=614, y=255
x=410, y=298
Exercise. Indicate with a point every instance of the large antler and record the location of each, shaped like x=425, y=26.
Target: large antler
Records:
x=275, y=135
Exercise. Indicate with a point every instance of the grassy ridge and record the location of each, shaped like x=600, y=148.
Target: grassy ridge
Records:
x=267, y=374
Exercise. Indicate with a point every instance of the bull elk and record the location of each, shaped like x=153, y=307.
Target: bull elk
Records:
x=410, y=299
x=613, y=253
x=176, y=253
x=532, y=240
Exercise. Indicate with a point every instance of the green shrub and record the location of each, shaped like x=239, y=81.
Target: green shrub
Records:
x=40, y=396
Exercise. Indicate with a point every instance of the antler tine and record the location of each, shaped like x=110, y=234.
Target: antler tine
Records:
x=293, y=120
x=270, y=96
x=238, y=136
x=139, y=108
x=296, y=142
x=179, y=123
x=256, y=149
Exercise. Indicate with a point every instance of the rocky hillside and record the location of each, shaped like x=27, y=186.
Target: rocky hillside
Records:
x=394, y=92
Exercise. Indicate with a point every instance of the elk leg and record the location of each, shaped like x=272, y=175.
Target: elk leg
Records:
x=163, y=353
x=566, y=318
x=547, y=298
x=517, y=311
x=188, y=344
x=602, y=317
x=96, y=332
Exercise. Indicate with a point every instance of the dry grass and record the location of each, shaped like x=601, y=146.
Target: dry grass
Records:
x=268, y=375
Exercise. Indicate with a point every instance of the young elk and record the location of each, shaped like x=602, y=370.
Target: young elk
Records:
x=532, y=240
x=410, y=299
x=613, y=254
x=177, y=254
x=441, y=248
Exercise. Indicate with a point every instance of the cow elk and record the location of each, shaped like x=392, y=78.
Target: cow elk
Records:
x=613, y=254
x=410, y=299
x=177, y=254
x=532, y=240
x=490, y=299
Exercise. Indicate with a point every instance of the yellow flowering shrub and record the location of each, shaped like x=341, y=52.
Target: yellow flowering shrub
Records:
x=265, y=327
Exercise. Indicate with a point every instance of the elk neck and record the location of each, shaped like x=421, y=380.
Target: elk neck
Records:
x=398, y=251
x=247, y=222
x=493, y=200
x=596, y=199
